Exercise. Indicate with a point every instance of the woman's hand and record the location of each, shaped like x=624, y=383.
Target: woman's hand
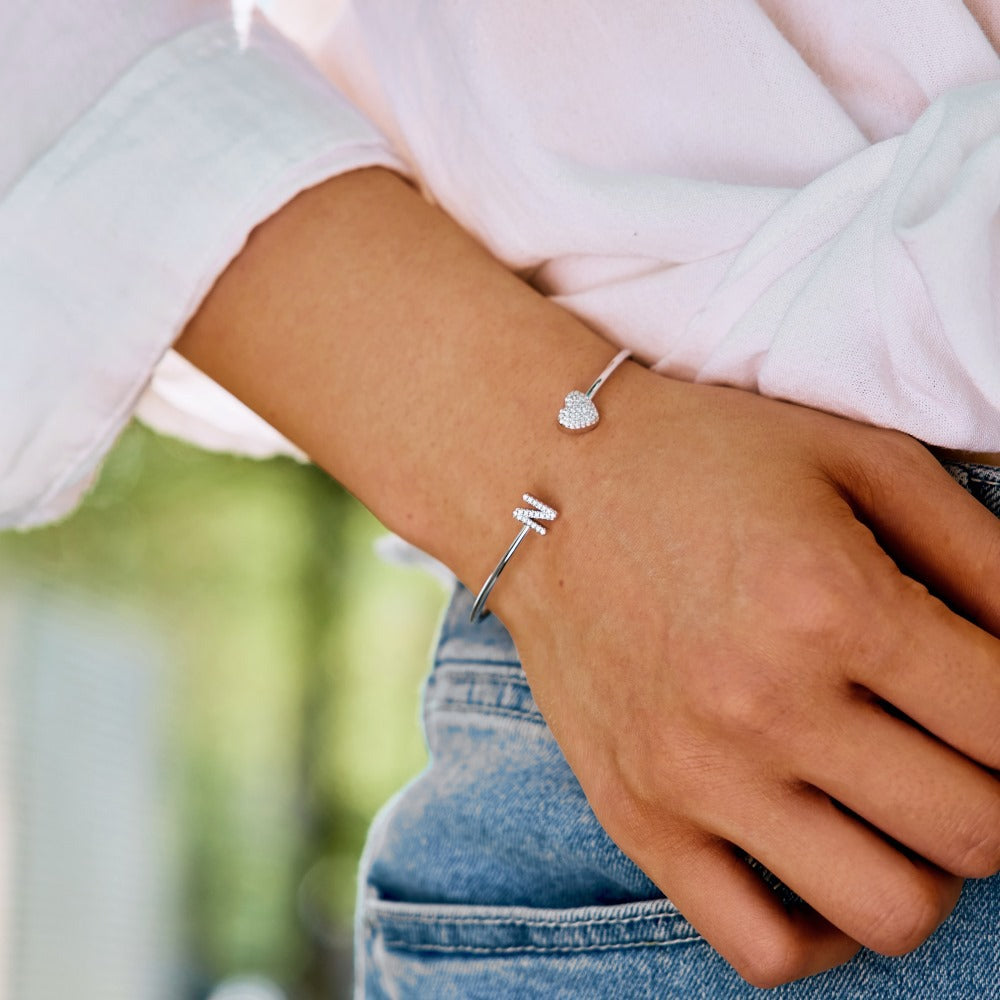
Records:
x=729, y=658
x=712, y=627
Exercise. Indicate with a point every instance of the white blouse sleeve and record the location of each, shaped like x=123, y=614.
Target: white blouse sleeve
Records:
x=148, y=142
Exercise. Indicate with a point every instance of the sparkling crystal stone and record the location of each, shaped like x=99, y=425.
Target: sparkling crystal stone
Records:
x=579, y=413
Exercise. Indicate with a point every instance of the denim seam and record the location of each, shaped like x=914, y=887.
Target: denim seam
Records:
x=466, y=707
x=569, y=923
x=447, y=661
x=471, y=676
x=542, y=949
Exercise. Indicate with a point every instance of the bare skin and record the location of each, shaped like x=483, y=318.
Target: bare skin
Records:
x=723, y=574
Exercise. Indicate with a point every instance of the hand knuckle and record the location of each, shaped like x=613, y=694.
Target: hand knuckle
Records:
x=977, y=846
x=817, y=607
x=776, y=959
x=753, y=705
x=627, y=817
x=866, y=468
x=902, y=919
x=901, y=449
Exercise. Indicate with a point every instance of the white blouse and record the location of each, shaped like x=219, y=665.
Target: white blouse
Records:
x=798, y=199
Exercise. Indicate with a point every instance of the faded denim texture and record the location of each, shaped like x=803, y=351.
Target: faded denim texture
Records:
x=489, y=876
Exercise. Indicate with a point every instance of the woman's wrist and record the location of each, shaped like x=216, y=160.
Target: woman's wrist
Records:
x=523, y=451
x=586, y=478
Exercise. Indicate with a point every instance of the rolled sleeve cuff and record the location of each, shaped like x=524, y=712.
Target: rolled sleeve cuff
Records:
x=111, y=240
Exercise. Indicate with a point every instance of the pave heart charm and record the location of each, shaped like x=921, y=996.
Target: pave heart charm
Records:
x=579, y=413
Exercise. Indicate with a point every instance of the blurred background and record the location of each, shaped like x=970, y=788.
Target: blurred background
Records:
x=209, y=683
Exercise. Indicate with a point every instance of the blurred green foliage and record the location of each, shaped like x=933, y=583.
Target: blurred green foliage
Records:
x=293, y=710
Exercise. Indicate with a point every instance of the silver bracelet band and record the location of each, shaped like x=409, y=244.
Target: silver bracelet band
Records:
x=579, y=412
x=529, y=518
x=577, y=415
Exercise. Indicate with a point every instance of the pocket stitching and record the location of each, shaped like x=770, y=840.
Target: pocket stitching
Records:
x=450, y=661
x=532, y=948
x=670, y=914
x=485, y=709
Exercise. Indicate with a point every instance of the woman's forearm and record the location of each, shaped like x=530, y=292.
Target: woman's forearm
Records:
x=366, y=326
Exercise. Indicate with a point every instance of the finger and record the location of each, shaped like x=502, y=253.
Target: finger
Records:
x=743, y=919
x=846, y=872
x=937, y=532
x=910, y=786
x=939, y=670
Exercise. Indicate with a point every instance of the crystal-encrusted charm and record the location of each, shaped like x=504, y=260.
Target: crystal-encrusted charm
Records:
x=530, y=518
x=579, y=413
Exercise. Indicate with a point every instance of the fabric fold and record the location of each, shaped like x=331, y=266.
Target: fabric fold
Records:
x=111, y=239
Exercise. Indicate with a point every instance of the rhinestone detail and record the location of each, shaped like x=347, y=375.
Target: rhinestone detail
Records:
x=542, y=512
x=579, y=413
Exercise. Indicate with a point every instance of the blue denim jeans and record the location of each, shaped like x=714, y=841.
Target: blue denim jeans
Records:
x=489, y=876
